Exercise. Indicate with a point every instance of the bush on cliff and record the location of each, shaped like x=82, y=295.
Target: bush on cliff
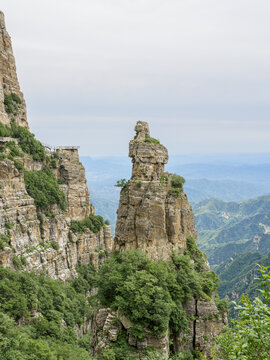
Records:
x=43, y=187
x=150, y=294
x=92, y=222
x=28, y=143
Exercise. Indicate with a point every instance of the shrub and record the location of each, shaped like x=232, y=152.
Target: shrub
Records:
x=28, y=143
x=148, y=293
x=177, y=181
x=139, y=184
x=92, y=222
x=149, y=139
x=107, y=222
x=5, y=131
x=164, y=179
x=43, y=187
x=55, y=245
x=4, y=241
x=14, y=151
x=44, y=338
x=195, y=254
x=174, y=192
x=121, y=183
x=8, y=225
x=18, y=165
x=53, y=163
x=8, y=103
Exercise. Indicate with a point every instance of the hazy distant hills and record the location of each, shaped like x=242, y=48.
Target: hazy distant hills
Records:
x=238, y=276
x=227, y=177
x=226, y=228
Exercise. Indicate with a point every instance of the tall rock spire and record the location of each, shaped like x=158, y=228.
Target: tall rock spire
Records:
x=12, y=104
x=154, y=214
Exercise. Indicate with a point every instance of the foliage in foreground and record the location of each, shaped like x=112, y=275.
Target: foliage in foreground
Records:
x=150, y=294
x=43, y=305
x=249, y=336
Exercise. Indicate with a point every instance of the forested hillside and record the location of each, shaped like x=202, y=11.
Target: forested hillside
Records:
x=226, y=228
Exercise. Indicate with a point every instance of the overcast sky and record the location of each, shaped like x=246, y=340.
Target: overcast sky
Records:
x=197, y=70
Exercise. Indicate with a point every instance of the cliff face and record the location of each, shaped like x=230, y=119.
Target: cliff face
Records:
x=8, y=80
x=34, y=240
x=150, y=216
x=154, y=215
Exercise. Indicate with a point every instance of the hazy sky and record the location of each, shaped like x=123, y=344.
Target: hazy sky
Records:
x=197, y=70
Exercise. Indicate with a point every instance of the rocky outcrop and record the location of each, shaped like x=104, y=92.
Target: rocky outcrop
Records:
x=30, y=239
x=72, y=172
x=40, y=242
x=150, y=216
x=154, y=215
x=8, y=80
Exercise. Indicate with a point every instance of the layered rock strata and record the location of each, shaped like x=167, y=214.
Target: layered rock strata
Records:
x=36, y=241
x=156, y=217
x=150, y=217
x=32, y=235
x=8, y=80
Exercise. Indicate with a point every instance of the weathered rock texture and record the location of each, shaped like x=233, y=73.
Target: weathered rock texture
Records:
x=72, y=172
x=32, y=236
x=40, y=242
x=8, y=78
x=154, y=218
x=150, y=218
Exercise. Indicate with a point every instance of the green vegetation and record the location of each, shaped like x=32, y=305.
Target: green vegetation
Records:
x=150, y=293
x=177, y=181
x=54, y=245
x=139, y=184
x=5, y=131
x=149, y=139
x=249, y=336
x=4, y=241
x=26, y=140
x=43, y=187
x=12, y=101
x=8, y=225
x=164, y=179
x=92, y=222
x=121, y=183
x=43, y=336
x=238, y=276
x=174, y=192
x=28, y=143
x=228, y=228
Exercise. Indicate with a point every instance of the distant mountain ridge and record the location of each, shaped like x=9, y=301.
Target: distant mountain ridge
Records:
x=226, y=228
x=226, y=177
x=238, y=275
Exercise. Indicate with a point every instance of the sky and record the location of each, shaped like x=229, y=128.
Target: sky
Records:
x=197, y=71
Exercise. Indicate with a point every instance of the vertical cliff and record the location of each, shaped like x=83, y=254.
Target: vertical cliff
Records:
x=12, y=104
x=153, y=215
x=35, y=232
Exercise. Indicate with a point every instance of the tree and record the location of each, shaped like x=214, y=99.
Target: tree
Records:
x=249, y=336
